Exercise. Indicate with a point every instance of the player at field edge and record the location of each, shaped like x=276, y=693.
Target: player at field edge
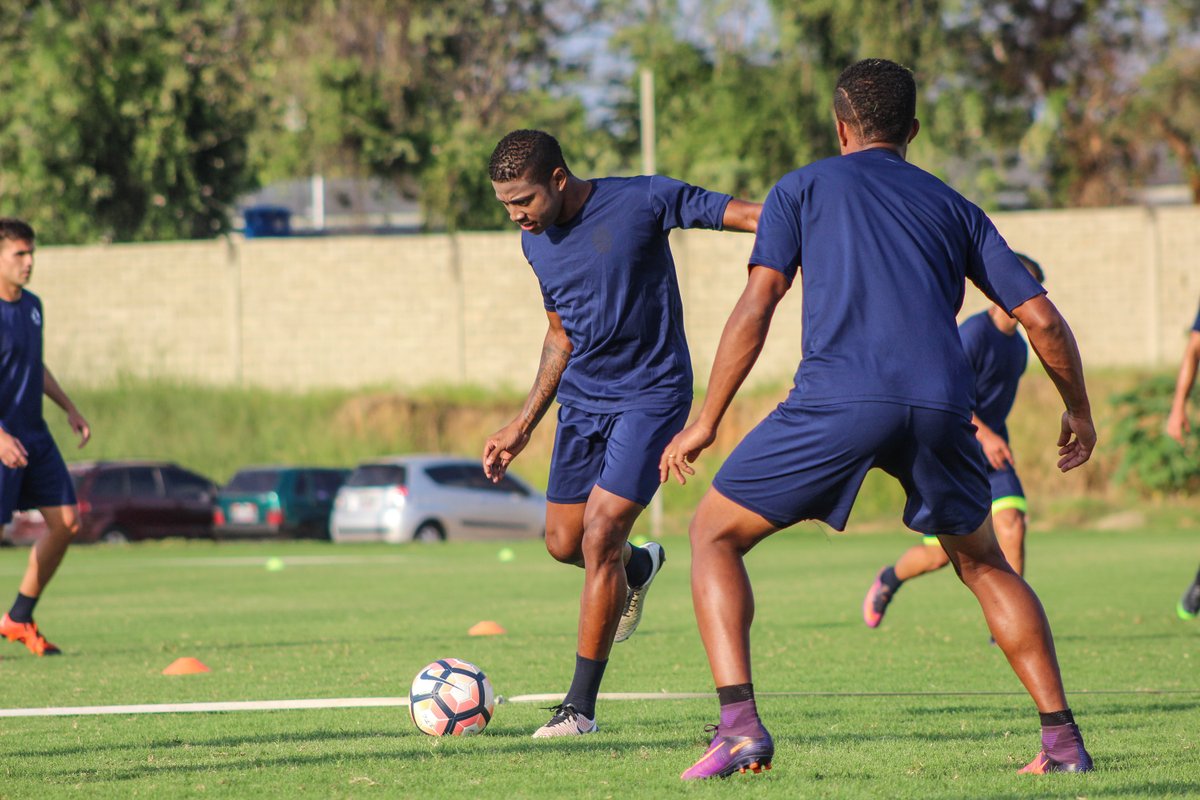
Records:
x=883, y=249
x=1178, y=427
x=32, y=474
x=998, y=355
x=616, y=357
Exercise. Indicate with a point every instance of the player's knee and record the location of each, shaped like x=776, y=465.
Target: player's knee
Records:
x=974, y=566
x=563, y=545
x=604, y=540
x=66, y=526
x=937, y=558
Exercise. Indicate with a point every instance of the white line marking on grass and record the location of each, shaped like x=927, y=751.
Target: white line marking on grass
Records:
x=191, y=708
x=291, y=561
x=402, y=702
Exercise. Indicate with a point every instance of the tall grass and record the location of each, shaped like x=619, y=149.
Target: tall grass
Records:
x=217, y=430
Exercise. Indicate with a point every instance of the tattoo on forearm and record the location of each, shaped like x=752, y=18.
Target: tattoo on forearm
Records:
x=545, y=386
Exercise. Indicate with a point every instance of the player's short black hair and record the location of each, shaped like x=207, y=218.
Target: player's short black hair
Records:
x=15, y=230
x=878, y=99
x=1035, y=269
x=526, y=153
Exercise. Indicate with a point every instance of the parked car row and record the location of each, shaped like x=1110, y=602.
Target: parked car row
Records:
x=395, y=499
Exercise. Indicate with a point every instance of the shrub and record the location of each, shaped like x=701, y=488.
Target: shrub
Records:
x=1151, y=461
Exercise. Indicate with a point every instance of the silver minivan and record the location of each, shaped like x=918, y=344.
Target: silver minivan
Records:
x=431, y=498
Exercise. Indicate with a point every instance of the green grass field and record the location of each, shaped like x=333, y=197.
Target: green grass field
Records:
x=921, y=708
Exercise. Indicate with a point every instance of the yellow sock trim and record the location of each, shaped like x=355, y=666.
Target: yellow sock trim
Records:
x=1012, y=501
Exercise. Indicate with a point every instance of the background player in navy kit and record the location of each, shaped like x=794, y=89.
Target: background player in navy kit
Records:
x=1177, y=428
x=883, y=249
x=998, y=355
x=32, y=474
x=616, y=356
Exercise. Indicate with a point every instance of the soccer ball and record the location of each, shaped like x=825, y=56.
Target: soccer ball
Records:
x=451, y=697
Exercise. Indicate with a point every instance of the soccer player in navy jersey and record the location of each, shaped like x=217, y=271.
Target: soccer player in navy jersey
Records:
x=616, y=357
x=998, y=354
x=32, y=472
x=883, y=250
x=1177, y=428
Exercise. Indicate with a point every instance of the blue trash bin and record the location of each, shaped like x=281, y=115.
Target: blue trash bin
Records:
x=267, y=221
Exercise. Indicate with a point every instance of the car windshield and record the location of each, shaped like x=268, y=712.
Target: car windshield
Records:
x=254, y=480
x=378, y=475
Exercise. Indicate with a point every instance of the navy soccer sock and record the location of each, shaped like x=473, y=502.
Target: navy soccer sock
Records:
x=585, y=686
x=638, y=567
x=739, y=713
x=22, y=609
x=888, y=578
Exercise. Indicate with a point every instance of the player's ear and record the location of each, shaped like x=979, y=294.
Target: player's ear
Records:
x=916, y=126
x=558, y=178
x=843, y=133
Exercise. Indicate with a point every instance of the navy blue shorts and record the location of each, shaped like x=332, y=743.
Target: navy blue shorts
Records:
x=43, y=482
x=1007, y=491
x=809, y=463
x=618, y=452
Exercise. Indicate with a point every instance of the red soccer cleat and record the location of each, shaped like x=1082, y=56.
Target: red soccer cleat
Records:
x=27, y=634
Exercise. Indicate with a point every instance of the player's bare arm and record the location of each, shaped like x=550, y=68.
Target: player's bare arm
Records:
x=741, y=215
x=1052, y=340
x=995, y=449
x=1177, y=422
x=505, y=444
x=741, y=342
x=60, y=398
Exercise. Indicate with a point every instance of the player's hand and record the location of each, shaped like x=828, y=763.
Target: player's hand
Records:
x=683, y=450
x=12, y=453
x=996, y=450
x=1076, y=442
x=80, y=426
x=1178, y=426
x=501, y=448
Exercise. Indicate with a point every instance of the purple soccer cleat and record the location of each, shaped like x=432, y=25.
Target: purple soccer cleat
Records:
x=729, y=754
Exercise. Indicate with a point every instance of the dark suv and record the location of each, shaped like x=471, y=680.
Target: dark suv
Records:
x=123, y=501
x=278, y=501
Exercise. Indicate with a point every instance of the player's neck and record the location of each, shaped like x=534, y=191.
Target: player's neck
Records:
x=856, y=147
x=10, y=292
x=1003, y=322
x=574, y=196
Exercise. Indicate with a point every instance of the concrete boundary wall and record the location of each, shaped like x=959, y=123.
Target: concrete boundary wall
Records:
x=411, y=311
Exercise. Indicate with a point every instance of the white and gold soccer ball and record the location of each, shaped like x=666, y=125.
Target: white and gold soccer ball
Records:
x=451, y=697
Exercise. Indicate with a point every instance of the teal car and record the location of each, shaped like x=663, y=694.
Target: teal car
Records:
x=277, y=502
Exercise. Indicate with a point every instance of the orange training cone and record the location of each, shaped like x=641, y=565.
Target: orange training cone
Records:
x=185, y=666
x=485, y=628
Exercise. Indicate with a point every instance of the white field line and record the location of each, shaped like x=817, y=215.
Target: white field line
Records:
x=288, y=561
x=402, y=702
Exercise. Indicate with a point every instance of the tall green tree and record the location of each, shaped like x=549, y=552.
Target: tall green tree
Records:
x=126, y=120
x=414, y=91
x=1023, y=102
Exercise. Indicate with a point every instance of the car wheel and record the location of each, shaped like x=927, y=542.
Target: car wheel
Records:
x=429, y=531
x=114, y=536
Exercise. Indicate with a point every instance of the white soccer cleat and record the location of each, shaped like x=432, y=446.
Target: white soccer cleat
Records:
x=636, y=599
x=566, y=722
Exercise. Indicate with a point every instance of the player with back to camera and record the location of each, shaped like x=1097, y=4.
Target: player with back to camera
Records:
x=1178, y=427
x=32, y=472
x=882, y=249
x=616, y=357
x=997, y=354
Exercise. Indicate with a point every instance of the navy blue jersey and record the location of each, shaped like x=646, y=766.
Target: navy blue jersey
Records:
x=1196, y=324
x=883, y=249
x=609, y=274
x=21, y=371
x=999, y=361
